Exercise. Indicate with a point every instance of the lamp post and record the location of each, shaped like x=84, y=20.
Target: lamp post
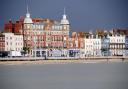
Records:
x=107, y=47
x=35, y=45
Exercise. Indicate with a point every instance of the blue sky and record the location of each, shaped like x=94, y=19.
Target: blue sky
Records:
x=84, y=15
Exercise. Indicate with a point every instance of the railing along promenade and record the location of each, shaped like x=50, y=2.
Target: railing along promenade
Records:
x=64, y=58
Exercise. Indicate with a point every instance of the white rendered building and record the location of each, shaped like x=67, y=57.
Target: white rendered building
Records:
x=117, y=45
x=13, y=42
x=93, y=46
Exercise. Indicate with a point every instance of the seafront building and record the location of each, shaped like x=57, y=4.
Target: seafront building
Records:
x=11, y=42
x=74, y=49
x=81, y=45
x=50, y=38
x=92, y=45
x=45, y=37
x=126, y=46
x=105, y=50
x=76, y=45
x=14, y=27
x=117, y=44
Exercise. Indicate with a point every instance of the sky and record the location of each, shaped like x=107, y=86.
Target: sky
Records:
x=83, y=15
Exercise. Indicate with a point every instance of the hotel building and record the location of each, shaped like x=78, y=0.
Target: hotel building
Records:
x=45, y=37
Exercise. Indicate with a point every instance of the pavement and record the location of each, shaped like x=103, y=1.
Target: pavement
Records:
x=60, y=61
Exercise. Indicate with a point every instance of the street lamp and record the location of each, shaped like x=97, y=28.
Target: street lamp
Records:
x=107, y=46
x=35, y=45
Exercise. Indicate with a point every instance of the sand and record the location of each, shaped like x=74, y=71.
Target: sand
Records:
x=59, y=61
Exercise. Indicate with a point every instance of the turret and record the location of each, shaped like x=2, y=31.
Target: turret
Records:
x=64, y=21
x=28, y=21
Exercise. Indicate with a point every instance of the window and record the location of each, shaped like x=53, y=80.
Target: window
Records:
x=28, y=27
x=33, y=26
x=122, y=40
x=3, y=38
x=42, y=27
x=120, y=46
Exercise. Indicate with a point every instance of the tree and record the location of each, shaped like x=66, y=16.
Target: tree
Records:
x=26, y=50
x=104, y=51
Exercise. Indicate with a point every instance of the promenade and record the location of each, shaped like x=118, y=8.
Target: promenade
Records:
x=63, y=58
x=51, y=60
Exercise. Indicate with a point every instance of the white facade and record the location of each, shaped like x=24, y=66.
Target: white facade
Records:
x=117, y=44
x=18, y=42
x=13, y=42
x=92, y=46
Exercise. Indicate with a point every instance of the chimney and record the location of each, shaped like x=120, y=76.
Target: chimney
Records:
x=92, y=36
x=96, y=35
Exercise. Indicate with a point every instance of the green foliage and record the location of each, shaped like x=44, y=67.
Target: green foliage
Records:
x=26, y=50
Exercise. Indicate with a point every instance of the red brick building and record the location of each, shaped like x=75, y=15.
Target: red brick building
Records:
x=45, y=36
x=14, y=27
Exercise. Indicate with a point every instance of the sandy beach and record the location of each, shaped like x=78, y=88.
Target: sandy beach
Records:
x=59, y=61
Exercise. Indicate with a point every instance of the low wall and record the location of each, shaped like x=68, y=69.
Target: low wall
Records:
x=63, y=58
